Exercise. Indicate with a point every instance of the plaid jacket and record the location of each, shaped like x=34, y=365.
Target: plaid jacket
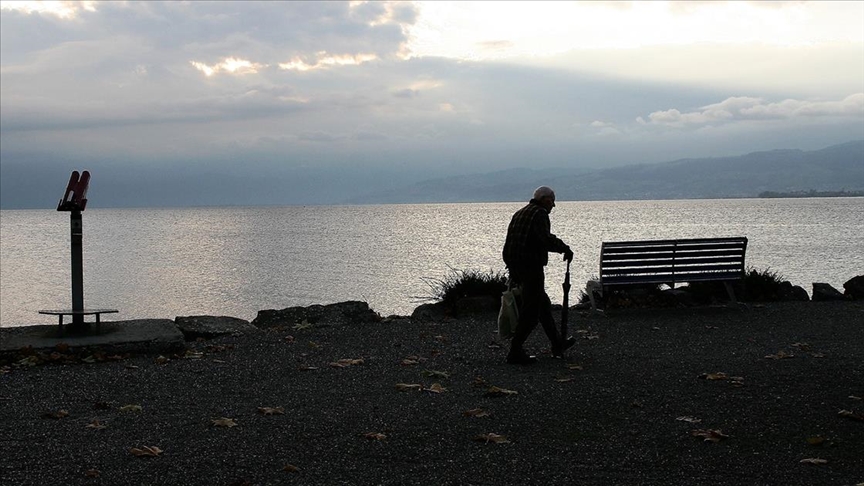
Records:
x=529, y=240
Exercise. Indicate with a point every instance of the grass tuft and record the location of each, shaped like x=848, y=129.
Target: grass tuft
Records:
x=458, y=284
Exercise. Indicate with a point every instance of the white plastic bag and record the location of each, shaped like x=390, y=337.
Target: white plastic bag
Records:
x=508, y=316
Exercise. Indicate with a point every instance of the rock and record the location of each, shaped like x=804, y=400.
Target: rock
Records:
x=430, y=312
x=477, y=305
x=854, y=288
x=789, y=292
x=348, y=312
x=825, y=292
x=208, y=327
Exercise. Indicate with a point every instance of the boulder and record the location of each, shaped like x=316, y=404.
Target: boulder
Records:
x=431, y=312
x=789, y=292
x=854, y=288
x=348, y=312
x=825, y=292
x=477, y=305
x=208, y=327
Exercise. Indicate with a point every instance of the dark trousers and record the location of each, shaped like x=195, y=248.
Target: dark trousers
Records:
x=535, y=306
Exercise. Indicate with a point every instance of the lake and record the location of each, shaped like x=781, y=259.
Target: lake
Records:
x=235, y=261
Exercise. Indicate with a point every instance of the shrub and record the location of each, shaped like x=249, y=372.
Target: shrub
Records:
x=757, y=286
x=459, y=284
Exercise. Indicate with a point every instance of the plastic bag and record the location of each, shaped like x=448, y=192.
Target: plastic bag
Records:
x=508, y=316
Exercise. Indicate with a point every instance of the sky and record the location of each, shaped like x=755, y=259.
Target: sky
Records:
x=311, y=102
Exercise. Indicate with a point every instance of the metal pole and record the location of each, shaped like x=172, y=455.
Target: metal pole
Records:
x=77, y=269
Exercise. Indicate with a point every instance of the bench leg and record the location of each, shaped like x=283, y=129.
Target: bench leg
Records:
x=60, y=321
x=590, y=288
x=730, y=291
x=98, y=324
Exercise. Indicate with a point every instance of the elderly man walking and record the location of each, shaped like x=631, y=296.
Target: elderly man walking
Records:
x=526, y=252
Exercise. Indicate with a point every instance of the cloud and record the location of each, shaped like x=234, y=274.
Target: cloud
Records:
x=750, y=108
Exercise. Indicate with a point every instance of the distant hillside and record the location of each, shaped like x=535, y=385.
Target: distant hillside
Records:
x=835, y=168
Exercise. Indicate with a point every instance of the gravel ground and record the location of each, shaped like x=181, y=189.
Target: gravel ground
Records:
x=621, y=408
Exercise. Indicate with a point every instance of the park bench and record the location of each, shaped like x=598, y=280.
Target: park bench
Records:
x=628, y=263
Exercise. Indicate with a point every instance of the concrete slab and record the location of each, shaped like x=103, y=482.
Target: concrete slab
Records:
x=141, y=335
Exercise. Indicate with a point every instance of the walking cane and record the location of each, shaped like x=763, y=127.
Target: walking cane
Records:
x=565, y=308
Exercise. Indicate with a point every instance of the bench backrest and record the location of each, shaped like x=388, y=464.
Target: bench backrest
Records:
x=672, y=261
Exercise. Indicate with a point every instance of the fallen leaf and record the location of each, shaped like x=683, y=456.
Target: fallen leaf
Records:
x=574, y=367
x=407, y=387
x=816, y=441
x=492, y=437
x=476, y=412
x=192, y=354
x=435, y=388
x=853, y=397
x=346, y=362
x=219, y=361
x=655, y=328
x=801, y=346
x=591, y=337
x=92, y=473
x=307, y=368
x=130, y=408
x=303, y=325
x=95, y=424
x=495, y=391
x=435, y=374
x=564, y=379
x=817, y=355
x=409, y=362
x=714, y=376
x=636, y=404
x=161, y=360
x=440, y=338
x=478, y=381
x=689, y=419
x=272, y=410
x=374, y=436
x=289, y=339
x=224, y=422
x=843, y=413
x=59, y=414
x=291, y=468
x=814, y=461
x=146, y=451
x=88, y=359
x=132, y=367
x=711, y=327
x=780, y=355
x=710, y=435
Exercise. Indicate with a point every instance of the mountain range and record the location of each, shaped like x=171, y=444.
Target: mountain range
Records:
x=835, y=168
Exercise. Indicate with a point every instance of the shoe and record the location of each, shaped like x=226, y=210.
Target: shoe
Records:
x=521, y=359
x=558, y=351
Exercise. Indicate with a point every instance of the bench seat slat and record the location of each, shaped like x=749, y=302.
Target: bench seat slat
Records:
x=667, y=278
x=689, y=241
x=610, y=249
x=676, y=270
x=670, y=262
x=737, y=252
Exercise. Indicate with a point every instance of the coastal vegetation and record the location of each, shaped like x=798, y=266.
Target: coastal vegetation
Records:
x=460, y=284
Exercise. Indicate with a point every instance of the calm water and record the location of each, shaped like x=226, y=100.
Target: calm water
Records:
x=163, y=263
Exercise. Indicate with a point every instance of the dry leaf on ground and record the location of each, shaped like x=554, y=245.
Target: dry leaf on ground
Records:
x=688, y=419
x=146, y=451
x=574, y=367
x=374, y=436
x=407, y=387
x=478, y=381
x=223, y=422
x=564, y=379
x=291, y=468
x=495, y=391
x=161, y=360
x=409, y=362
x=780, y=355
x=435, y=388
x=56, y=415
x=435, y=374
x=271, y=410
x=96, y=424
x=714, y=376
x=710, y=435
x=847, y=414
x=130, y=408
x=813, y=460
x=346, y=362
x=307, y=368
x=92, y=473
x=476, y=412
x=492, y=437
x=801, y=346
x=816, y=441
